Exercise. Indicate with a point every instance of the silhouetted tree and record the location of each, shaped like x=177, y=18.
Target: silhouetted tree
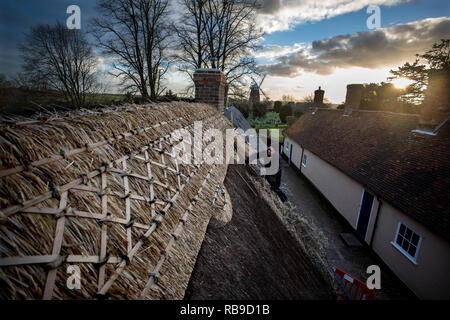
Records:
x=385, y=97
x=61, y=58
x=285, y=112
x=277, y=106
x=438, y=58
x=4, y=82
x=259, y=109
x=309, y=99
x=218, y=34
x=190, y=30
x=135, y=34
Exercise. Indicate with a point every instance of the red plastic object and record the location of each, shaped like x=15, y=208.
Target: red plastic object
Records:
x=357, y=289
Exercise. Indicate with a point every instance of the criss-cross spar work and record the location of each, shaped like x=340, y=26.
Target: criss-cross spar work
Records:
x=104, y=192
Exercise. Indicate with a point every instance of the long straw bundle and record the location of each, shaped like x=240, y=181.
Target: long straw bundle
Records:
x=101, y=191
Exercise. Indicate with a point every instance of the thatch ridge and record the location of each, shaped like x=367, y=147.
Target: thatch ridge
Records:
x=99, y=190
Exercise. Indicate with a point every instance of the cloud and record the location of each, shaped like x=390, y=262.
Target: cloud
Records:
x=281, y=70
x=279, y=15
x=273, y=51
x=270, y=6
x=334, y=84
x=384, y=47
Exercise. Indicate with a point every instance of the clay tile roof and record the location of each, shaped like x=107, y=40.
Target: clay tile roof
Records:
x=411, y=171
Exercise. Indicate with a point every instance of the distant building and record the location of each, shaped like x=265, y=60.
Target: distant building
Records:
x=254, y=95
x=388, y=175
x=237, y=119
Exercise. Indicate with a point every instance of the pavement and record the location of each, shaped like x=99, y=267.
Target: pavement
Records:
x=353, y=260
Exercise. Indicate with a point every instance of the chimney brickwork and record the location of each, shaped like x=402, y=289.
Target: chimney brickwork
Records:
x=210, y=87
x=436, y=105
x=318, y=98
x=353, y=97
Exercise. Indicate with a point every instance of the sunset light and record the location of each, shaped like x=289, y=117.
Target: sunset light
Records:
x=401, y=83
x=239, y=158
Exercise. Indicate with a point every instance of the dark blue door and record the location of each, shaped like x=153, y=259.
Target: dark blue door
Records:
x=364, y=214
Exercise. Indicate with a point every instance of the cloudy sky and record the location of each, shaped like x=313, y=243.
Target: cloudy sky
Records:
x=306, y=43
x=328, y=43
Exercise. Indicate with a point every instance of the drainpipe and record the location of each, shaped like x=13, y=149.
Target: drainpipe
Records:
x=301, y=158
x=376, y=222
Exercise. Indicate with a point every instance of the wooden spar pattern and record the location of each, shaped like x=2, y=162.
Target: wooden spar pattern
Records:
x=155, y=274
x=162, y=197
x=87, y=148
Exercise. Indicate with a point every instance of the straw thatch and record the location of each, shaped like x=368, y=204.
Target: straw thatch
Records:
x=310, y=238
x=101, y=190
x=254, y=256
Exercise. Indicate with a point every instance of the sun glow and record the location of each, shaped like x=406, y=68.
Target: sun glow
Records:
x=401, y=83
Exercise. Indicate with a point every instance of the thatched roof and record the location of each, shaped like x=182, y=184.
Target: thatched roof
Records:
x=237, y=118
x=254, y=256
x=100, y=190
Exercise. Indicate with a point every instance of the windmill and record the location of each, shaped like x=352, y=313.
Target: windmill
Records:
x=255, y=88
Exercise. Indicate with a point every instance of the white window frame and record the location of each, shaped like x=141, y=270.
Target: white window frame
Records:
x=305, y=158
x=403, y=251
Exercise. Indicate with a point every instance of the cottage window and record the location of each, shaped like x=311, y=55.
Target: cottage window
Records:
x=407, y=241
x=304, y=159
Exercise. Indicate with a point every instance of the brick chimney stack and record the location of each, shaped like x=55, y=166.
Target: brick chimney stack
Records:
x=318, y=98
x=353, y=98
x=436, y=105
x=210, y=87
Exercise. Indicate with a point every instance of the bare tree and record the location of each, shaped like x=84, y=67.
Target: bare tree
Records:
x=309, y=99
x=190, y=30
x=134, y=33
x=62, y=59
x=218, y=34
x=4, y=82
